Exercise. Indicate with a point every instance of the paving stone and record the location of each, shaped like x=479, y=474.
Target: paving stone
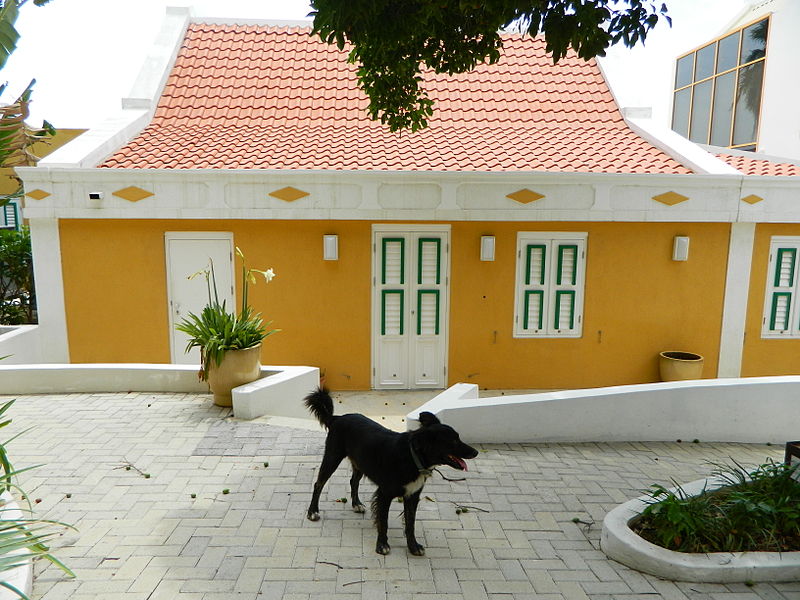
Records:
x=147, y=539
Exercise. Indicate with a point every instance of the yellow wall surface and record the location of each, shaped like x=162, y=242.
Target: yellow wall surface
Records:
x=766, y=356
x=116, y=292
x=638, y=301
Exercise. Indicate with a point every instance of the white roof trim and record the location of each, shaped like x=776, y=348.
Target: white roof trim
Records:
x=299, y=23
x=94, y=146
x=678, y=147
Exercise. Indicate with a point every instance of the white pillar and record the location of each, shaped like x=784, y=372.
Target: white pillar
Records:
x=737, y=288
x=46, y=250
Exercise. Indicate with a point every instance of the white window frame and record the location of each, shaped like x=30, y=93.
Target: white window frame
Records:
x=779, y=244
x=550, y=288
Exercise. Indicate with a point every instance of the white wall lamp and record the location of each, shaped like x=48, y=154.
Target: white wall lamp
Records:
x=330, y=247
x=680, y=248
x=487, y=247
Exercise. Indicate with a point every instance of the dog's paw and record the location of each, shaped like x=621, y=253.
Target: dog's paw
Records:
x=416, y=549
x=313, y=516
x=359, y=508
x=382, y=548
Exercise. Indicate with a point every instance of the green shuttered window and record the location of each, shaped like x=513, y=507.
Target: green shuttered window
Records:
x=550, y=281
x=781, y=311
x=10, y=216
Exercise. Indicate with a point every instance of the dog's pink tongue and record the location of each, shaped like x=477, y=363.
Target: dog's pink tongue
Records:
x=460, y=462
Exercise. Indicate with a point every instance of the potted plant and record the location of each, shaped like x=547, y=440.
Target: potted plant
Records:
x=230, y=343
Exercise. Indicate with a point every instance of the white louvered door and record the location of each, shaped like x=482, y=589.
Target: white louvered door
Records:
x=409, y=308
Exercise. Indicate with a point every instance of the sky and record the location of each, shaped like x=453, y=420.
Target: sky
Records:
x=85, y=54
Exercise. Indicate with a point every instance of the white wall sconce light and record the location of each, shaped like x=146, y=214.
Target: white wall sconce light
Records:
x=330, y=247
x=487, y=247
x=680, y=248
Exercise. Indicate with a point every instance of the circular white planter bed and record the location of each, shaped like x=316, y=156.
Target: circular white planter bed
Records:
x=620, y=543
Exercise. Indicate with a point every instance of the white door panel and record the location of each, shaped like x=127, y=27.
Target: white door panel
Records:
x=188, y=253
x=393, y=366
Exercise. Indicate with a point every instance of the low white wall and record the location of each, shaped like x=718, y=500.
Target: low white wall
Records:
x=88, y=378
x=279, y=392
x=20, y=344
x=753, y=410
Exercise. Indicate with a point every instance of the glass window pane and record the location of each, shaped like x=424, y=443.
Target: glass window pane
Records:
x=680, y=112
x=722, y=114
x=683, y=71
x=727, y=52
x=701, y=113
x=748, y=103
x=704, y=64
x=754, y=42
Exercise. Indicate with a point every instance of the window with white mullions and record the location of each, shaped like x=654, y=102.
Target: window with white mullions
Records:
x=550, y=281
x=781, y=311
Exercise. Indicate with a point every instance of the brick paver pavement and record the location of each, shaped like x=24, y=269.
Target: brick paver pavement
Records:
x=147, y=538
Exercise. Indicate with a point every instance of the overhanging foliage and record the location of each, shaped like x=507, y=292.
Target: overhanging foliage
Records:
x=393, y=41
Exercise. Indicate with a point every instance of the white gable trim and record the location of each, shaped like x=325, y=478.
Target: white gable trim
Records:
x=94, y=146
x=678, y=147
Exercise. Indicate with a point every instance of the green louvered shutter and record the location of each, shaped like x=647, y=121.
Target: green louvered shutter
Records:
x=781, y=312
x=568, y=259
x=429, y=278
x=10, y=216
x=392, y=280
x=550, y=280
x=535, y=280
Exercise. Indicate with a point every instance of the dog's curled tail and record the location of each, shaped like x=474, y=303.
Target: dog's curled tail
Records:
x=320, y=403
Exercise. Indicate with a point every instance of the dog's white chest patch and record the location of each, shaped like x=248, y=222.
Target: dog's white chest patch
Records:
x=412, y=487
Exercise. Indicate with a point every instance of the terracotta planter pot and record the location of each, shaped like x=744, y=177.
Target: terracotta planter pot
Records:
x=237, y=368
x=674, y=365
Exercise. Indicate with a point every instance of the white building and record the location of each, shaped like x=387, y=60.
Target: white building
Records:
x=739, y=89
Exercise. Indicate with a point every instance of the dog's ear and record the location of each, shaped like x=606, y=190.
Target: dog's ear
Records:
x=426, y=419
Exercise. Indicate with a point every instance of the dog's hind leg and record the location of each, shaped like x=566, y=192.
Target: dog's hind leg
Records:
x=381, y=503
x=330, y=462
x=355, y=479
x=410, y=504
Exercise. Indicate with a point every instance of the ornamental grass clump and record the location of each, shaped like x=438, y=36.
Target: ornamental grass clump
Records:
x=216, y=330
x=757, y=510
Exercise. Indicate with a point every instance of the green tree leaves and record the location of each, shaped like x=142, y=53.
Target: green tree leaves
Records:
x=393, y=41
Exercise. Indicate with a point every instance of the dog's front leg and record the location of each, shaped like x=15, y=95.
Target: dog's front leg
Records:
x=381, y=503
x=410, y=504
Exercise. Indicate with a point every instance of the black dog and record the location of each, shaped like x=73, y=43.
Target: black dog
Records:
x=398, y=463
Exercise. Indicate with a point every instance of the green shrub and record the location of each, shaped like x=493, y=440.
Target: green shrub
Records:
x=17, y=298
x=757, y=510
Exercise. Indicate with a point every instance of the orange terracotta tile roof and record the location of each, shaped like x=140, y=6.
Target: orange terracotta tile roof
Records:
x=759, y=166
x=264, y=97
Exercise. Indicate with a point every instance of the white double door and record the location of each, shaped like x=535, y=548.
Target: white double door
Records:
x=410, y=302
